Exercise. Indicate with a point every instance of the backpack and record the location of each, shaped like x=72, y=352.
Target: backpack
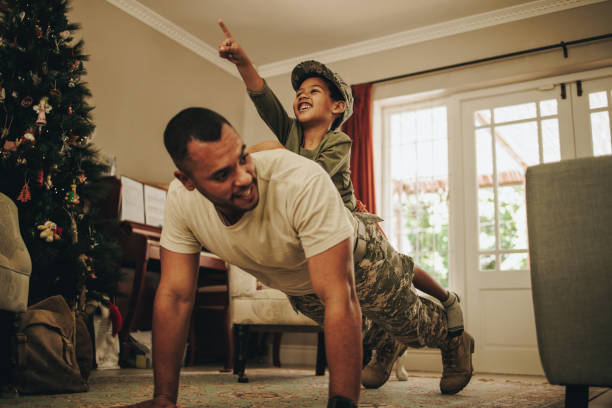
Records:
x=54, y=349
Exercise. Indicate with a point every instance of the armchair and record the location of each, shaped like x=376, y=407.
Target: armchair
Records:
x=259, y=308
x=569, y=218
x=15, y=269
x=15, y=263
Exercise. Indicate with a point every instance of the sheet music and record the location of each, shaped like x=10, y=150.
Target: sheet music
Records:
x=154, y=201
x=132, y=200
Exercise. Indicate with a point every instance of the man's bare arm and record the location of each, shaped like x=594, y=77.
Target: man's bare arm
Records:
x=171, y=315
x=331, y=274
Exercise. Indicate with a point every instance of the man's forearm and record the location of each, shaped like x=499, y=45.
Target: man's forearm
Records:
x=343, y=348
x=171, y=317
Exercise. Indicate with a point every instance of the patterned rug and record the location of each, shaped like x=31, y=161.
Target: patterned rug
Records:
x=280, y=387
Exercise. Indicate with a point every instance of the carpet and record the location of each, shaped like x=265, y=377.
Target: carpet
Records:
x=284, y=387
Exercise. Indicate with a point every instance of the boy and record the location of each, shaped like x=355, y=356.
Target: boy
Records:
x=323, y=102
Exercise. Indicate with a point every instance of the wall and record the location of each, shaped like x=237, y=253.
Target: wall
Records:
x=139, y=79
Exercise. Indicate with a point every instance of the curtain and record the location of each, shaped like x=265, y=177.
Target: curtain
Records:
x=359, y=129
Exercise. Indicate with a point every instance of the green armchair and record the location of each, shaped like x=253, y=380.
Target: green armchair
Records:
x=569, y=218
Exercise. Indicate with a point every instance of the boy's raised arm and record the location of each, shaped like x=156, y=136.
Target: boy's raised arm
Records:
x=233, y=52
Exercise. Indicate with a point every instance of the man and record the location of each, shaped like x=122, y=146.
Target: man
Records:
x=279, y=217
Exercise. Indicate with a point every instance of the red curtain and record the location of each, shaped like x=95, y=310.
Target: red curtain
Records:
x=359, y=128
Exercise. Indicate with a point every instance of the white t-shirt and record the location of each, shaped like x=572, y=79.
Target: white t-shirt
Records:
x=300, y=214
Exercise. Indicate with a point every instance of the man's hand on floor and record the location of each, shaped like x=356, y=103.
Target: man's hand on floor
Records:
x=158, y=402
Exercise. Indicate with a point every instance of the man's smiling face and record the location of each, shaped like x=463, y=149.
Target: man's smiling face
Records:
x=223, y=172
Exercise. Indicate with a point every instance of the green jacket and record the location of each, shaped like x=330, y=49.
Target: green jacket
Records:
x=333, y=153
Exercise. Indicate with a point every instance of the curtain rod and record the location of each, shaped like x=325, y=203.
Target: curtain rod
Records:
x=562, y=45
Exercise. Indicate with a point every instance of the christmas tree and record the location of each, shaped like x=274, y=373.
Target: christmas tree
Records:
x=47, y=163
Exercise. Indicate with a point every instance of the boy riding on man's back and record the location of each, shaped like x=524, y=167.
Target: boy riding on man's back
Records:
x=322, y=103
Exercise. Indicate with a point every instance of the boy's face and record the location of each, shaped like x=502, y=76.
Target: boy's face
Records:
x=313, y=104
x=223, y=172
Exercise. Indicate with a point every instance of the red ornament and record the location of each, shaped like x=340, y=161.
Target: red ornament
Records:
x=70, y=111
x=24, y=196
x=115, y=316
x=40, y=178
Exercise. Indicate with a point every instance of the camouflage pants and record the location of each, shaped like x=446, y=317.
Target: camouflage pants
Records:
x=389, y=303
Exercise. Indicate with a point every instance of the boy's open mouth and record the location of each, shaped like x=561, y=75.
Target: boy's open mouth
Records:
x=302, y=106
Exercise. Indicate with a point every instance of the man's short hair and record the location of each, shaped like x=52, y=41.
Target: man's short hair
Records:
x=191, y=123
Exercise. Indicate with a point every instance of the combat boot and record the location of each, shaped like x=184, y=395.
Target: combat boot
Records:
x=457, y=363
x=378, y=370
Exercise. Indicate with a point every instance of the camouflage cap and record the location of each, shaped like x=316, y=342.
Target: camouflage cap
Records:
x=307, y=69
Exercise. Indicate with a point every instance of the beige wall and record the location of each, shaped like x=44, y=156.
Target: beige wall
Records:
x=536, y=32
x=139, y=79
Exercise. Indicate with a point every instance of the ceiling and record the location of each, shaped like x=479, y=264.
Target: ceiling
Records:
x=277, y=33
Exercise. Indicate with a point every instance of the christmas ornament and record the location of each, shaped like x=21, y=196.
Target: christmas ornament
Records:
x=65, y=145
x=71, y=83
x=35, y=78
x=42, y=108
x=27, y=102
x=40, y=177
x=82, y=178
x=48, y=182
x=115, y=316
x=25, y=196
x=7, y=126
x=86, y=261
x=75, y=232
x=29, y=136
x=49, y=231
x=70, y=110
x=55, y=91
x=21, y=161
x=10, y=146
x=72, y=197
x=39, y=32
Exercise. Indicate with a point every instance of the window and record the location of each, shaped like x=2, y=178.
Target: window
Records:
x=599, y=110
x=508, y=140
x=416, y=156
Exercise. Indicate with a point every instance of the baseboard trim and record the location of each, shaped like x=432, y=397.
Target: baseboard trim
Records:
x=412, y=360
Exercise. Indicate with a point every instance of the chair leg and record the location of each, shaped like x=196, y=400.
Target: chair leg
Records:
x=229, y=341
x=321, y=358
x=576, y=396
x=192, y=341
x=241, y=333
x=276, y=349
x=367, y=355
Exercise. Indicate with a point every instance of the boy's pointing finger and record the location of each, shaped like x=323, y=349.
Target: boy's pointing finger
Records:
x=225, y=29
